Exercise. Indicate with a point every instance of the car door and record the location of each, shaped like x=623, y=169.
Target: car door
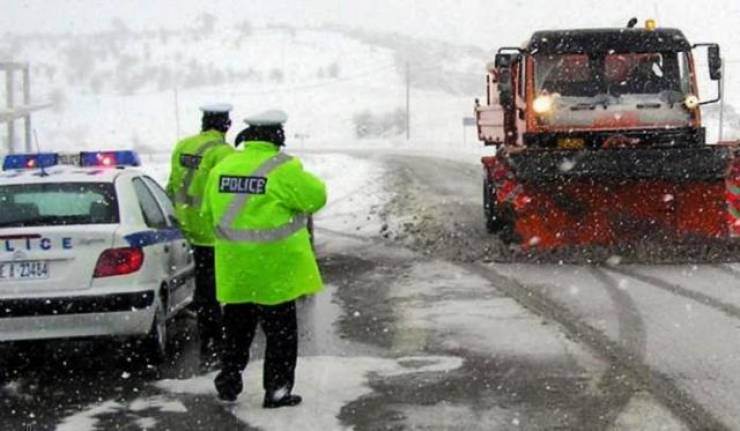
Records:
x=182, y=286
x=161, y=250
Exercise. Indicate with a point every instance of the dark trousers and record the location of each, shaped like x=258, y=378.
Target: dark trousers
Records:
x=207, y=307
x=281, y=333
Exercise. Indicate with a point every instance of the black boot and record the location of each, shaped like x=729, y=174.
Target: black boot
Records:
x=288, y=400
x=228, y=385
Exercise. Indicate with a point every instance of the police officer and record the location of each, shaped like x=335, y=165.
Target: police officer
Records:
x=259, y=201
x=192, y=160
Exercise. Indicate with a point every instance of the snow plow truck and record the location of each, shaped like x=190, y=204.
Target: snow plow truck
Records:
x=599, y=142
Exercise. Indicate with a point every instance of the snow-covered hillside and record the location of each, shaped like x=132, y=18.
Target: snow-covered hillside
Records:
x=120, y=89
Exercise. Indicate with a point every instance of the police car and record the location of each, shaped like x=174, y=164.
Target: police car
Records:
x=91, y=249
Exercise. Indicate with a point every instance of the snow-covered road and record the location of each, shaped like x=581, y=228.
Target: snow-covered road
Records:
x=417, y=329
x=669, y=330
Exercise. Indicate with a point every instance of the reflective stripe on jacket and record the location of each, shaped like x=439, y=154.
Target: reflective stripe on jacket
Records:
x=257, y=201
x=192, y=160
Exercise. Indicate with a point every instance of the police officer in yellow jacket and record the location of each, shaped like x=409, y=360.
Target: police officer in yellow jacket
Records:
x=192, y=160
x=259, y=201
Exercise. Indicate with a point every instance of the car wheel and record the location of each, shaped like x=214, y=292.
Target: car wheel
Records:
x=155, y=346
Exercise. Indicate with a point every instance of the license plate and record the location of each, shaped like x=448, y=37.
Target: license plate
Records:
x=570, y=143
x=30, y=270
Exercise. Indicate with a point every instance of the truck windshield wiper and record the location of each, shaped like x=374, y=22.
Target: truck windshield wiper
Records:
x=583, y=107
x=654, y=105
x=599, y=100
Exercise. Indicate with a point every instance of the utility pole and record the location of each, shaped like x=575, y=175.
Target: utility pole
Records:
x=177, y=115
x=408, y=101
x=10, y=104
x=26, y=102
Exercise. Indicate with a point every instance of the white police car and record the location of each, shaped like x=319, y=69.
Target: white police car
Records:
x=91, y=249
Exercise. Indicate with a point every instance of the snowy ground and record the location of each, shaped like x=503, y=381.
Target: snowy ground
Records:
x=403, y=337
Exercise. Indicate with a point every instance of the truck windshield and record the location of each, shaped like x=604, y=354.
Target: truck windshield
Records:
x=57, y=204
x=652, y=85
x=581, y=75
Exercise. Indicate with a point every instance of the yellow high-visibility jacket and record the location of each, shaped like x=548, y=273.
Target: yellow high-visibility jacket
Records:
x=192, y=160
x=258, y=201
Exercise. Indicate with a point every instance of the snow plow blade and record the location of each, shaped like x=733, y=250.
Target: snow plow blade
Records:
x=619, y=198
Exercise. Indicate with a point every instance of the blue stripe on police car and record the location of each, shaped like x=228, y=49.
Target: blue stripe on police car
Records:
x=152, y=237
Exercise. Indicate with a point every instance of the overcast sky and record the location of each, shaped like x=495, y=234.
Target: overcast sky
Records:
x=462, y=21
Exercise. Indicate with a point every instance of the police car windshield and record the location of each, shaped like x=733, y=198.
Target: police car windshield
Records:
x=57, y=204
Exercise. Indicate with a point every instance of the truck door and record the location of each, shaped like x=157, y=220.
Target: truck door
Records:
x=520, y=100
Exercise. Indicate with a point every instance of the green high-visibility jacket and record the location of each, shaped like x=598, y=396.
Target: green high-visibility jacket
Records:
x=192, y=160
x=263, y=252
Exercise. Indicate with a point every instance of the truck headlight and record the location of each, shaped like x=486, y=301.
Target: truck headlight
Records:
x=542, y=104
x=691, y=101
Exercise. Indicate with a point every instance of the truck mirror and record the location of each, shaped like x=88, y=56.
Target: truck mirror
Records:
x=715, y=62
x=503, y=63
x=503, y=60
x=505, y=88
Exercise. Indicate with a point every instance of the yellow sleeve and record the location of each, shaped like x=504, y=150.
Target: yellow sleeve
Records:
x=215, y=155
x=170, y=187
x=206, y=210
x=301, y=190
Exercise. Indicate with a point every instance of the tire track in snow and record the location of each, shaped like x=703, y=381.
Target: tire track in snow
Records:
x=727, y=269
x=676, y=289
x=632, y=337
x=624, y=364
x=632, y=332
x=618, y=383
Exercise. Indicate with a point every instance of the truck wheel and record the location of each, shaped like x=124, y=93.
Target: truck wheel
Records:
x=494, y=223
x=507, y=222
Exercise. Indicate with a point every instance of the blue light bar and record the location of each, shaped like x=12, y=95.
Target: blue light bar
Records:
x=109, y=158
x=30, y=161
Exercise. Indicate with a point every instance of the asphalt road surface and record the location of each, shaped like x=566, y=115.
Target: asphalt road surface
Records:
x=421, y=328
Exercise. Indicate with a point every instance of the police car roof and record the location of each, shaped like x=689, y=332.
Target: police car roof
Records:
x=65, y=174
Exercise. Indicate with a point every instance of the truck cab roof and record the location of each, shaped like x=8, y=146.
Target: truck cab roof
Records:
x=619, y=40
